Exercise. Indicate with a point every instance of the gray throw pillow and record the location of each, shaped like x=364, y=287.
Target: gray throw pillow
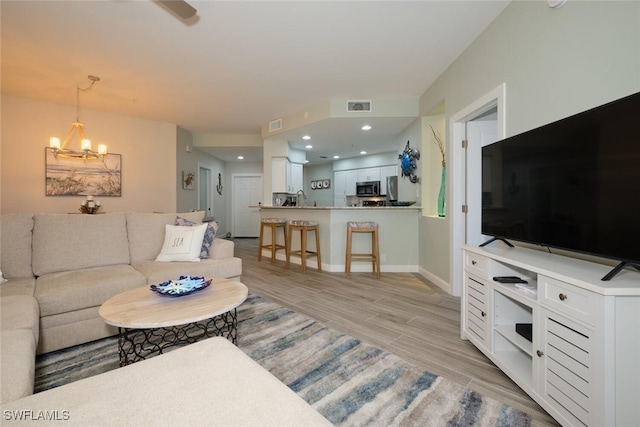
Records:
x=209, y=234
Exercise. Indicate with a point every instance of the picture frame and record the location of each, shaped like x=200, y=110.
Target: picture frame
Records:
x=66, y=176
x=188, y=180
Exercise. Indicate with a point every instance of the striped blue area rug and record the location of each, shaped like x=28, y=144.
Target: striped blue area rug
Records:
x=348, y=381
x=353, y=383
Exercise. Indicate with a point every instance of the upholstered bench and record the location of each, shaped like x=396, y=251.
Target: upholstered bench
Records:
x=209, y=383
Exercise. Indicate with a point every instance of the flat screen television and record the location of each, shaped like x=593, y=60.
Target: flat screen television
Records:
x=572, y=184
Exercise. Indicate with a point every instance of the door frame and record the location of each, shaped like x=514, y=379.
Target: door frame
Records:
x=457, y=130
x=209, y=201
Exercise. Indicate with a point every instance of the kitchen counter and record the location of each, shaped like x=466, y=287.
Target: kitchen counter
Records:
x=414, y=207
x=398, y=234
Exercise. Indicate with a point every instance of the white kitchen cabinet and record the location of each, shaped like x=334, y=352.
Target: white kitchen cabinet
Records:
x=580, y=361
x=339, y=182
x=280, y=175
x=339, y=188
x=350, y=183
x=368, y=174
x=297, y=179
x=286, y=177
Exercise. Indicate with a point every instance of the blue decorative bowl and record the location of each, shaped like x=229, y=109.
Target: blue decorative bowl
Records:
x=185, y=285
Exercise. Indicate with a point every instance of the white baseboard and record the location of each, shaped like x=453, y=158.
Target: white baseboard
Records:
x=445, y=286
x=364, y=267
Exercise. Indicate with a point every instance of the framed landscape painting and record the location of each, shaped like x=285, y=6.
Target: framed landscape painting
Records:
x=80, y=177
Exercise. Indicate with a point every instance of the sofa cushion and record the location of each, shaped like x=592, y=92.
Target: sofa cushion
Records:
x=146, y=232
x=65, y=242
x=20, y=312
x=15, y=245
x=77, y=289
x=182, y=243
x=18, y=286
x=65, y=330
x=158, y=272
x=17, y=364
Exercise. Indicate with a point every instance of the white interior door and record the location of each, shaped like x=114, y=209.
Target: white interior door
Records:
x=205, y=199
x=247, y=191
x=460, y=176
x=480, y=132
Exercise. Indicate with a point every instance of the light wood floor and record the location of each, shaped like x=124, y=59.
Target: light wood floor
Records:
x=400, y=312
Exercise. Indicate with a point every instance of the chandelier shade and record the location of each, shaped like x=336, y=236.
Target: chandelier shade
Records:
x=85, y=150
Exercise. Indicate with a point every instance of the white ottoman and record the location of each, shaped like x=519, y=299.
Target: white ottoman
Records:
x=209, y=383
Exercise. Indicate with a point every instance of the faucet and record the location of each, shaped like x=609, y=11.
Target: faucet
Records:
x=304, y=197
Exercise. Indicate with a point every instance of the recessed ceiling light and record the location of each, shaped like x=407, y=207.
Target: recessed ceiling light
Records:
x=336, y=157
x=366, y=127
x=240, y=157
x=308, y=146
x=363, y=152
x=306, y=137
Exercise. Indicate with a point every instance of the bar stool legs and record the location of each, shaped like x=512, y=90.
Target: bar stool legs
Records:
x=273, y=224
x=374, y=256
x=304, y=227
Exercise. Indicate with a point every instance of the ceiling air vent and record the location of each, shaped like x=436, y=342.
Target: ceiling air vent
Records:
x=358, y=105
x=275, y=125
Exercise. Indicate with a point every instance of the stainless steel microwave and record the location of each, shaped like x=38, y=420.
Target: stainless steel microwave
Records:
x=368, y=188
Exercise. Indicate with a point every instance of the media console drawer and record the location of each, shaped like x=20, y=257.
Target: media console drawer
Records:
x=476, y=264
x=567, y=299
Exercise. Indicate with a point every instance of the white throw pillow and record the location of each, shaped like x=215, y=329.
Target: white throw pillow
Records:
x=182, y=243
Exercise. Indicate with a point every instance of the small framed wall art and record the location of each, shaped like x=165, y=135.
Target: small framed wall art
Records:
x=188, y=180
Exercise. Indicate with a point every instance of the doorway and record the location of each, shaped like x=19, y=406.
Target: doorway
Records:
x=247, y=193
x=205, y=195
x=466, y=192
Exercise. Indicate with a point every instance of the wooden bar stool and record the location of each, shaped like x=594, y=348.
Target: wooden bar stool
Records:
x=274, y=224
x=374, y=256
x=304, y=227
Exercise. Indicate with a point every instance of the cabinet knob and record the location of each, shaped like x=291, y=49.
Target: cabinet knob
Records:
x=483, y=314
x=539, y=353
x=473, y=263
x=562, y=297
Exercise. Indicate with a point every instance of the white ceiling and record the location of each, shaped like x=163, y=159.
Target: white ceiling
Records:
x=238, y=64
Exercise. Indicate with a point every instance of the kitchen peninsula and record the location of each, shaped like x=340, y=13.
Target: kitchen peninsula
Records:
x=398, y=228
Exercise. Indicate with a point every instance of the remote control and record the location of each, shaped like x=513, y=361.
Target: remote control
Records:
x=509, y=279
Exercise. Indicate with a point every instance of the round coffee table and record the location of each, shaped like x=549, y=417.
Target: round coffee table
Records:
x=148, y=322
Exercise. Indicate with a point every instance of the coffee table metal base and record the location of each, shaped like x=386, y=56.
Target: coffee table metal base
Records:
x=139, y=344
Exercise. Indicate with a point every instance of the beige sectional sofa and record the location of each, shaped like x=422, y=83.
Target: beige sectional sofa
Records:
x=62, y=267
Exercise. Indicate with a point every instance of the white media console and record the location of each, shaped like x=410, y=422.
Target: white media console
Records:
x=582, y=364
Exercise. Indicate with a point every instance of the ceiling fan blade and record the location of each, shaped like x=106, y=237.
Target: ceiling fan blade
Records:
x=180, y=7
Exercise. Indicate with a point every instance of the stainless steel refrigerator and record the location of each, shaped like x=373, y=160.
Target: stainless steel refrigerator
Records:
x=392, y=189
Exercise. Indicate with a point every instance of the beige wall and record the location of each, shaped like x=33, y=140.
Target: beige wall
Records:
x=148, y=150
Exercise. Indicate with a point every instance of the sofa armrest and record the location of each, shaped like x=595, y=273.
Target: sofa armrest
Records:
x=221, y=248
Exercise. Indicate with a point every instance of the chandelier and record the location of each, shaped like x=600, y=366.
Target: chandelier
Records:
x=85, y=152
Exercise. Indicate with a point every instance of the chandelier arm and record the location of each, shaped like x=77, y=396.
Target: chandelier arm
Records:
x=81, y=132
x=69, y=135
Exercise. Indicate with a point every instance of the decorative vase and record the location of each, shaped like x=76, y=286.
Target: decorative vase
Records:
x=441, y=194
